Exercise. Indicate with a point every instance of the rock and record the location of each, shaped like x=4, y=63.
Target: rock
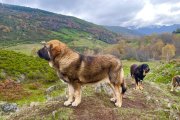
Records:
x=21, y=78
x=8, y=107
x=169, y=105
x=52, y=88
x=54, y=114
x=103, y=87
x=148, y=98
x=166, y=100
x=33, y=104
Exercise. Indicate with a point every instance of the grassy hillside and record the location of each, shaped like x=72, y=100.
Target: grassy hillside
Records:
x=32, y=77
x=19, y=66
x=154, y=102
x=26, y=25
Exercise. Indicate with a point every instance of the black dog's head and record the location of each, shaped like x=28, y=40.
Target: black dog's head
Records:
x=145, y=68
x=44, y=53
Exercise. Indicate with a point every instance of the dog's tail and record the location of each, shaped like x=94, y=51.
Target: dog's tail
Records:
x=123, y=84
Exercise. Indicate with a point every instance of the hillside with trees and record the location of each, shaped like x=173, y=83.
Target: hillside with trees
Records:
x=19, y=25
x=154, y=47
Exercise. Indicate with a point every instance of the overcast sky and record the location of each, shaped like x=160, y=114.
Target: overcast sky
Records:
x=112, y=12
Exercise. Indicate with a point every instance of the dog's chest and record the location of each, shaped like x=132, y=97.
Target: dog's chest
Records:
x=63, y=77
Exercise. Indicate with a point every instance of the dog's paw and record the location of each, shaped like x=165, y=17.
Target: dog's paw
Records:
x=118, y=104
x=74, y=104
x=113, y=99
x=67, y=103
x=141, y=88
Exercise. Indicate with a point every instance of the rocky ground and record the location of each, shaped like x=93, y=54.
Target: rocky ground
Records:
x=155, y=101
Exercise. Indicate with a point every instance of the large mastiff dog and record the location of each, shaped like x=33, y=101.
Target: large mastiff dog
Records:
x=76, y=70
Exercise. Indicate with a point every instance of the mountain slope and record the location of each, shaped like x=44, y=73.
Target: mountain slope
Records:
x=123, y=31
x=26, y=25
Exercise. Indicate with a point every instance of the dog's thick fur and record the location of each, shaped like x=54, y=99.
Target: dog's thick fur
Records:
x=138, y=73
x=175, y=82
x=76, y=70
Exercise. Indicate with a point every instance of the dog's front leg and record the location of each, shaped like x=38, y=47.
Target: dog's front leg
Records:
x=77, y=95
x=113, y=99
x=70, y=95
x=137, y=84
x=118, y=96
x=140, y=85
x=172, y=88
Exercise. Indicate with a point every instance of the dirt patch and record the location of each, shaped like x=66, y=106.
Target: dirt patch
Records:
x=94, y=109
x=138, y=104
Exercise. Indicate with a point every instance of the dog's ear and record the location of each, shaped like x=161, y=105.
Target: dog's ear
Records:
x=148, y=69
x=57, y=49
x=142, y=67
x=43, y=43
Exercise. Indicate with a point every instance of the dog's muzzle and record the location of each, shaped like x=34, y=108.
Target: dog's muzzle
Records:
x=43, y=53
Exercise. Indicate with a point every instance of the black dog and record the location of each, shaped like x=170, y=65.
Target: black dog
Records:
x=138, y=73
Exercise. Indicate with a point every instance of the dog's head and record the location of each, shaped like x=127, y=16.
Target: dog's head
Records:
x=51, y=49
x=145, y=69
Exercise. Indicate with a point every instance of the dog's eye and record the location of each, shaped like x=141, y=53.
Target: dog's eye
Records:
x=46, y=47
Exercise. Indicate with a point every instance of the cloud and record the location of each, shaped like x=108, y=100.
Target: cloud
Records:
x=112, y=12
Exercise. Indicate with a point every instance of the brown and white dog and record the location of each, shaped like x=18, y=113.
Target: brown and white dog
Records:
x=175, y=82
x=77, y=70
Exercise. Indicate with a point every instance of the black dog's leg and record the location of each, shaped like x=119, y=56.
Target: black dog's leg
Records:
x=140, y=85
x=137, y=83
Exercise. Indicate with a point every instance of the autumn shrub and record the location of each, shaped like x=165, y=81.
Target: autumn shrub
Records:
x=10, y=90
x=34, y=86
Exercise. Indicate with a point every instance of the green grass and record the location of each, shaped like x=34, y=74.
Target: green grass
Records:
x=163, y=72
x=63, y=114
x=91, y=44
x=33, y=68
x=75, y=39
x=25, y=48
x=36, y=95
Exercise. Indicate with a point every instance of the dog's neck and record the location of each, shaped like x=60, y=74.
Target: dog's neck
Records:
x=62, y=61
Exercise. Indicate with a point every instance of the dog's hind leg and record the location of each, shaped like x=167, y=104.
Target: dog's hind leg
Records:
x=70, y=95
x=77, y=95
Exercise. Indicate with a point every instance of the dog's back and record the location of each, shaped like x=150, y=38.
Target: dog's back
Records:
x=132, y=69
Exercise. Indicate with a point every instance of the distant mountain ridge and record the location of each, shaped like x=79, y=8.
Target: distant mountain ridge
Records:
x=158, y=29
x=148, y=30
x=27, y=25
